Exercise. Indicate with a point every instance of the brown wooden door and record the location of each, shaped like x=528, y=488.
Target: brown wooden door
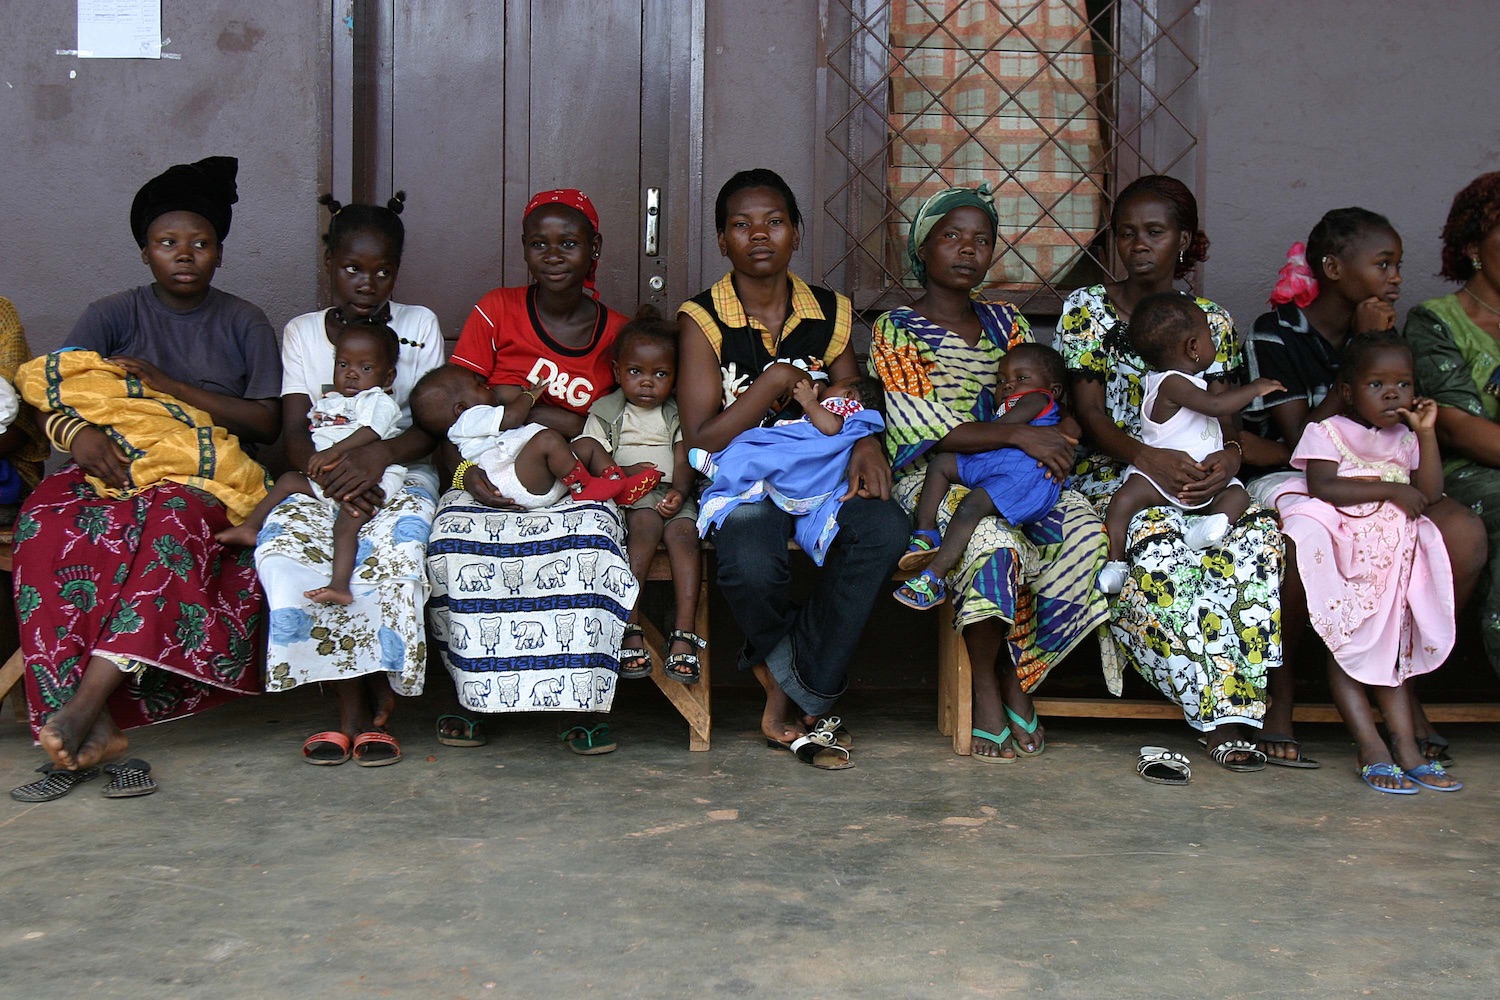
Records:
x=475, y=106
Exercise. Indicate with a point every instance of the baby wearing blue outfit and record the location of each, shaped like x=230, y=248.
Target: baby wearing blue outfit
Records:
x=1031, y=380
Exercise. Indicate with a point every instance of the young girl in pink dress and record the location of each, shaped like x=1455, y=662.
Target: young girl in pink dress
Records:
x=1379, y=584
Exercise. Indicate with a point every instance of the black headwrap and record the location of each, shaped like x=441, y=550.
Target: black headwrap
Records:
x=206, y=188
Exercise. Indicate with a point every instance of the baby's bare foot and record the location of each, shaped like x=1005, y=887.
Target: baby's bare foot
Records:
x=329, y=595
x=239, y=534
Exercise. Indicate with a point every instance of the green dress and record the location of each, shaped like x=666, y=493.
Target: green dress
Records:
x=1454, y=359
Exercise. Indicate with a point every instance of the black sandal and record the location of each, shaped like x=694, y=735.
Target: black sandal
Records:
x=685, y=667
x=128, y=779
x=55, y=783
x=634, y=663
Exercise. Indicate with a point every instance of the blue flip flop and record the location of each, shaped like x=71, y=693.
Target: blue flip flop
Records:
x=1385, y=770
x=998, y=740
x=920, y=550
x=1029, y=728
x=923, y=592
x=1432, y=770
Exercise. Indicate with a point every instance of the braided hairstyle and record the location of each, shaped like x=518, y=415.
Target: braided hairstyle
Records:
x=1475, y=213
x=1358, y=350
x=347, y=220
x=1337, y=231
x=1184, y=214
x=647, y=325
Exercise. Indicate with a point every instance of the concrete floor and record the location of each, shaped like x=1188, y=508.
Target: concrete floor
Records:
x=518, y=870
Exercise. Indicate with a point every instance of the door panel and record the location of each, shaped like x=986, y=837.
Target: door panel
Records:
x=477, y=105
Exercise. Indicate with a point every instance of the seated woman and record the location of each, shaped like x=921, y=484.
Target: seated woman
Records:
x=1023, y=598
x=131, y=613
x=1345, y=280
x=732, y=336
x=375, y=645
x=1199, y=625
x=529, y=609
x=1456, y=342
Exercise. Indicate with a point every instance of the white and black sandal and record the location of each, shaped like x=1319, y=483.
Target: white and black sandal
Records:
x=128, y=779
x=820, y=748
x=684, y=667
x=1220, y=755
x=1163, y=766
x=55, y=783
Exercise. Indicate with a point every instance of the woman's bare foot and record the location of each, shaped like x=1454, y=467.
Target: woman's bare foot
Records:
x=239, y=534
x=775, y=721
x=329, y=595
x=62, y=736
x=103, y=744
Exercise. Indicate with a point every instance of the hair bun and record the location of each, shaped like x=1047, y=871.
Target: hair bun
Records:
x=327, y=200
x=397, y=203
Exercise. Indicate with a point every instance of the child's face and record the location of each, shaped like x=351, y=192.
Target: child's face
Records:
x=362, y=272
x=360, y=363
x=1371, y=267
x=844, y=388
x=758, y=238
x=475, y=390
x=1020, y=372
x=647, y=371
x=559, y=247
x=183, y=253
x=1383, y=385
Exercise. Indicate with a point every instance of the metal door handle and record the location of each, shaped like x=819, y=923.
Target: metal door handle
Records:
x=653, y=217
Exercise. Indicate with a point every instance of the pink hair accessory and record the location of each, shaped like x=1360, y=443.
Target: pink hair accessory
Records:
x=1295, y=282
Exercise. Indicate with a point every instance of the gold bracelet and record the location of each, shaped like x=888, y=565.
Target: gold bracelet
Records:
x=458, y=473
x=529, y=395
x=1237, y=446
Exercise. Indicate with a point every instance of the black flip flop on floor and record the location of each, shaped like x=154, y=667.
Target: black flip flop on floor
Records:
x=1281, y=739
x=128, y=779
x=56, y=783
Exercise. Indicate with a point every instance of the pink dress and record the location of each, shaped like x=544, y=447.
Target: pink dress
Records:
x=1379, y=584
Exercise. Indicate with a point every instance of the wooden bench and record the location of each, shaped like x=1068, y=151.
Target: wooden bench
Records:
x=10, y=673
x=956, y=698
x=690, y=700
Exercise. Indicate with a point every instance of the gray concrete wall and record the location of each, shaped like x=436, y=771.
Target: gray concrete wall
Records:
x=1314, y=106
x=252, y=82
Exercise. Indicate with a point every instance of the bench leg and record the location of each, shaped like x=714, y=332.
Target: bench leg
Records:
x=10, y=684
x=690, y=700
x=955, y=685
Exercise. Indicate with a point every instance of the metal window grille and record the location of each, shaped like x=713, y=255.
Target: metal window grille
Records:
x=1056, y=103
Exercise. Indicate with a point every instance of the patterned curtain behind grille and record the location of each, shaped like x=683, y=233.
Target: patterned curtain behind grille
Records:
x=1000, y=91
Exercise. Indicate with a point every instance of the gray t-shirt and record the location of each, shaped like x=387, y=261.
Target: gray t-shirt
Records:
x=225, y=345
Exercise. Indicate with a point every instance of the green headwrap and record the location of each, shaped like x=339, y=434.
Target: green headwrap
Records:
x=939, y=205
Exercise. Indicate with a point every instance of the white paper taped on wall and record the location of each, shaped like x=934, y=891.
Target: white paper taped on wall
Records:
x=119, y=29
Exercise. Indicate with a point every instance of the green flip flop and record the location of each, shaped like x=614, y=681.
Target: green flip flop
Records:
x=1029, y=728
x=999, y=741
x=589, y=742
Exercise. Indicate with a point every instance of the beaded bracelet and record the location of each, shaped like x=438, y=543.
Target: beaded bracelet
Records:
x=458, y=474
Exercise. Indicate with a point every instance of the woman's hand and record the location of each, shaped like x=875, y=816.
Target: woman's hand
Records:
x=351, y=474
x=1221, y=467
x=869, y=472
x=1052, y=449
x=1422, y=416
x=1174, y=472
x=148, y=373
x=483, y=491
x=97, y=455
x=1373, y=315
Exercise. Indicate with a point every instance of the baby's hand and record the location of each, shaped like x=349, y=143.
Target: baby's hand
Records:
x=1422, y=416
x=670, y=504
x=1373, y=315
x=1266, y=386
x=1410, y=499
x=805, y=393
x=320, y=463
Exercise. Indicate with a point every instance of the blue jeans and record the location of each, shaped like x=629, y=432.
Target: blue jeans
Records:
x=807, y=648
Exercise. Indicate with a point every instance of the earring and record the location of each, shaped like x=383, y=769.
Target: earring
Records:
x=1182, y=257
x=596, y=256
x=1475, y=261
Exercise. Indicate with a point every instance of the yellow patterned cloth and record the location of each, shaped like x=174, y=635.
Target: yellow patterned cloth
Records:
x=14, y=352
x=164, y=440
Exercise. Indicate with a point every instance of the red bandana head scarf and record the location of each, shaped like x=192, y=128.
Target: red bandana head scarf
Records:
x=572, y=198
